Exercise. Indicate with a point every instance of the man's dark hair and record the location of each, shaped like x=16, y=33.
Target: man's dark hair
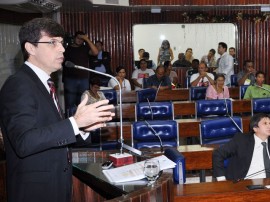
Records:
x=99, y=42
x=247, y=61
x=140, y=50
x=146, y=55
x=212, y=51
x=259, y=72
x=196, y=61
x=256, y=119
x=95, y=81
x=142, y=60
x=232, y=48
x=79, y=33
x=32, y=32
x=224, y=45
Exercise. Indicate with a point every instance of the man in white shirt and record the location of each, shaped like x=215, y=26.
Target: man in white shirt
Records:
x=202, y=78
x=245, y=153
x=225, y=65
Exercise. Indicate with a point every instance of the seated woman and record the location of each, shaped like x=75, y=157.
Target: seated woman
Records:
x=218, y=90
x=170, y=73
x=93, y=93
x=259, y=89
x=120, y=76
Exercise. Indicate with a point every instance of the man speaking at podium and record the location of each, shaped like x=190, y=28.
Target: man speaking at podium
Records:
x=36, y=136
x=247, y=154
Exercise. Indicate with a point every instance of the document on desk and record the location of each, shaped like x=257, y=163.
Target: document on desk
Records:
x=134, y=171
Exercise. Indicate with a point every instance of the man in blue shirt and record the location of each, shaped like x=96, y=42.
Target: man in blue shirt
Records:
x=159, y=80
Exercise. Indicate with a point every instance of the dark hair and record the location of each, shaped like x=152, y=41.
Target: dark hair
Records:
x=31, y=32
x=166, y=64
x=119, y=68
x=189, y=49
x=202, y=62
x=256, y=119
x=140, y=50
x=232, y=48
x=247, y=61
x=259, y=72
x=79, y=33
x=219, y=75
x=212, y=51
x=196, y=60
x=95, y=81
x=99, y=42
x=146, y=55
x=224, y=45
x=142, y=60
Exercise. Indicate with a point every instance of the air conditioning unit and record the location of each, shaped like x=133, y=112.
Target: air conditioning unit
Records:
x=31, y=6
x=110, y=2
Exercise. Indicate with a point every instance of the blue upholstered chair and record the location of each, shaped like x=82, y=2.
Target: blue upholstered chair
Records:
x=234, y=80
x=154, y=111
x=219, y=130
x=213, y=107
x=260, y=105
x=197, y=93
x=242, y=91
x=111, y=95
x=144, y=137
x=143, y=94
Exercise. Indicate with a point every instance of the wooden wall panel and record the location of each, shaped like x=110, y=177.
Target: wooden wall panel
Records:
x=115, y=30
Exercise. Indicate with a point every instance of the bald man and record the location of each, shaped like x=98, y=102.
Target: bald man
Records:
x=159, y=80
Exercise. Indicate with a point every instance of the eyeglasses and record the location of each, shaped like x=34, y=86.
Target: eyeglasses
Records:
x=52, y=42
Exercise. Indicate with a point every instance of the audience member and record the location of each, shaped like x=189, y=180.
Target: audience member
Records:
x=140, y=52
x=120, y=76
x=218, y=90
x=181, y=62
x=159, y=80
x=225, y=65
x=259, y=89
x=36, y=135
x=188, y=55
x=76, y=81
x=202, y=78
x=140, y=74
x=233, y=54
x=150, y=63
x=210, y=58
x=93, y=94
x=247, y=76
x=194, y=67
x=170, y=73
x=165, y=52
x=245, y=153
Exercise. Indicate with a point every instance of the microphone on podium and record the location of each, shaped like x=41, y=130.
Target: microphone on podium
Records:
x=155, y=133
x=121, y=139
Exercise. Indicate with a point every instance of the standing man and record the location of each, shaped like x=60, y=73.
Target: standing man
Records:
x=232, y=52
x=225, y=65
x=36, y=136
x=247, y=76
x=248, y=154
x=76, y=81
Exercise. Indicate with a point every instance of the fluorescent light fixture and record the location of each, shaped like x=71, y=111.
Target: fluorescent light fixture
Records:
x=155, y=10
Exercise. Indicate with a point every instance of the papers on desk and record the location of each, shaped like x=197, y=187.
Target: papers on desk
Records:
x=134, y=171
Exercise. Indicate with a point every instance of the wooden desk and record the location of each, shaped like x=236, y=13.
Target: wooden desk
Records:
x=222, y=191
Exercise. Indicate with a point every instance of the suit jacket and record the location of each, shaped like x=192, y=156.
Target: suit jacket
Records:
x=36, y=139
x=106, y=61
x=239, y=152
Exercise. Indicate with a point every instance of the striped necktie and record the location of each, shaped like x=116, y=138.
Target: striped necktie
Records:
x=53, y=95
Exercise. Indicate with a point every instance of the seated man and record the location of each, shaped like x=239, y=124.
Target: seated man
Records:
x=247, y=75
x=194, y=67
x=139, y=74
x=159, y=80
x=181, y=62
x=210, y=58
x=202, y=78
x=259, y=89
x=150, y=63
x=245, y=152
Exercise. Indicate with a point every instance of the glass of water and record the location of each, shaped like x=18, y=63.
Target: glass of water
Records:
x=151, y=170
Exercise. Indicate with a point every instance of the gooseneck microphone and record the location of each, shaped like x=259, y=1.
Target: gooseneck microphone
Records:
x=155, y=133
x=261, y=87
x=121, y=140
x=151, y=111
x=158, y=90
x=251, y=175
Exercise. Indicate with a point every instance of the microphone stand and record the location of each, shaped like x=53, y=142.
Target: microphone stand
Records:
x=121, y=140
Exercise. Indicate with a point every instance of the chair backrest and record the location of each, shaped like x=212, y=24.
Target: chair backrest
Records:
x=234, y=80
x=143, y=94
x=144, y=137
x=154, y=110
x=219, y=130
x=219, y=107
x=242, y=91
x=197, y=93
x=111, y=95
x=187, y=82
x=260, y=105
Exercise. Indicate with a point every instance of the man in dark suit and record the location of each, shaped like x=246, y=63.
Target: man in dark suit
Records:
x=101, y=62
x=245, y=153
x=36, y=136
